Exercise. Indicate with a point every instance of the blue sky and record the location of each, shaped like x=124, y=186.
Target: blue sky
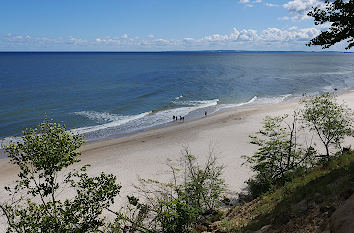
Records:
x=156, y=25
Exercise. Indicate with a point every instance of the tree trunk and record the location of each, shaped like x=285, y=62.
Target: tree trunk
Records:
x=327, y=151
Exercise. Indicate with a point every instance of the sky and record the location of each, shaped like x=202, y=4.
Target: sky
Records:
x=157, y=25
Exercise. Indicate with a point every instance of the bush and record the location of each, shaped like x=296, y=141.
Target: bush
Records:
x=328, y=119
x=192, y=194
x=278, y=154
x=42, y=155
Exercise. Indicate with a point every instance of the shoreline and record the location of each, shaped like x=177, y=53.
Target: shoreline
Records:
x=164, y=127
x=144, y=154
x=216, y=109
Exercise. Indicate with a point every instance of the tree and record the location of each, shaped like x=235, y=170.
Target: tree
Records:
x=42, y=155
x=341, y=16
x=192, y=194
x=278, y=154
x=43, y=159
x=328, y=119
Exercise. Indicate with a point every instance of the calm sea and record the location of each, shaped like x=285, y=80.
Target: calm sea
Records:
x=111, y=94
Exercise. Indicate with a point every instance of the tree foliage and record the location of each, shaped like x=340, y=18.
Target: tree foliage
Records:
x=340, y=14
x=328, y=119
x=193, y=192
x=278, y=153
x=43, y=158
x=35, y=205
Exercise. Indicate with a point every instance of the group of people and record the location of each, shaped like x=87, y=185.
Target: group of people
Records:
x=175, y=118
x=181, y=118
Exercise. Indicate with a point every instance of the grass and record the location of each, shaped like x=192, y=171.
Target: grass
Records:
x=311, y=196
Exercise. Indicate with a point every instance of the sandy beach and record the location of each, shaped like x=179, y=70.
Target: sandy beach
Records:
x=144, y=154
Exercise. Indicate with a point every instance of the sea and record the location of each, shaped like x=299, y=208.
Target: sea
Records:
x=113, y=94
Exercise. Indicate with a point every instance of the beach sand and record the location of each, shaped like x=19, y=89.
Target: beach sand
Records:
x=144, y=154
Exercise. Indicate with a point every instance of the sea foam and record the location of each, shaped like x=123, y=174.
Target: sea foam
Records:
x=115, y=120
x=273, y=100
x=225, y=106
x=116, y=124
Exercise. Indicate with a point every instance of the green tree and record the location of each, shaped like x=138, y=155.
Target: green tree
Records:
x=42, y=155
x=340, y=14
x=192, y=194
x=328, y=119
x=278, y=153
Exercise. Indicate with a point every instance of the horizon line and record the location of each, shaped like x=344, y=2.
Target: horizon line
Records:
x=181, y=51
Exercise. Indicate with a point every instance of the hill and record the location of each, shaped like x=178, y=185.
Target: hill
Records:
x=318, y=200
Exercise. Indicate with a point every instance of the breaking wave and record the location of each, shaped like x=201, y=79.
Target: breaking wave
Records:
x=112, y=124
x=115, y=120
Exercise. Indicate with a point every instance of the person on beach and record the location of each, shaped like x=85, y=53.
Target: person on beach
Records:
x=205, y=113
x=173, y=117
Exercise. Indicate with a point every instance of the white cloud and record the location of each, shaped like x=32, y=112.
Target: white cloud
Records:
x=271, y=4
x=293, y=34
x=236, y=39
x=249, y=3
x=124, y=36
x=16, y=38
x=248, y=35
x=188, y=40
x=324, y=26
x=162, y=41
x=107, y=40
x=216, y=37
x=76, y=41
x=38, y=41
x=151, y=36
x=284, y=18
x=274, y=34
x=298, y=9
x=234, y=35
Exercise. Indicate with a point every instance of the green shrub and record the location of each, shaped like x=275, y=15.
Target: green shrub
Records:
x=176, y=206
x=330, y=121
x=278, y=154
x=42, y=155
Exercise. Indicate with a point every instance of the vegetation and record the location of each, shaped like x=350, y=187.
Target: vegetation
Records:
x=288, y=180
x=45, y=153
x=328, y=119
x=278, y=155
x=291, y=182
x=340, y=15
x=42, y=155
x=302, y=204
x=192, y=194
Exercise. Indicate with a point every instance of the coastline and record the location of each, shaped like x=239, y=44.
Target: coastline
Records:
x=213, y=117
x=144, y=154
